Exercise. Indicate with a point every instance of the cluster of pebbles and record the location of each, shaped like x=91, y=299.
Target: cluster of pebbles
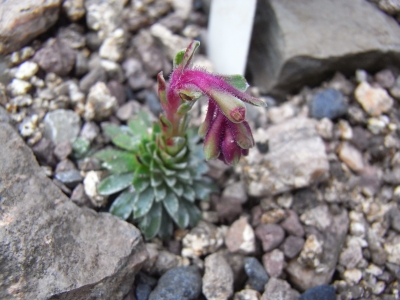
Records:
x=318, y=217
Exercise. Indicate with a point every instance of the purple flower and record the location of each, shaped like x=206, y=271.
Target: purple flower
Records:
x=225, y=129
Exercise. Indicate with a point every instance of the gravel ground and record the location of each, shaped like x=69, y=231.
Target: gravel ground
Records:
x=312, y=212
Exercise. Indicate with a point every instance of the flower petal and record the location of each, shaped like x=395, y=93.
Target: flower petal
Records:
x=203, y=129
x=214, y=137
x=230, y=150
x=232, y=107
x=243, y=135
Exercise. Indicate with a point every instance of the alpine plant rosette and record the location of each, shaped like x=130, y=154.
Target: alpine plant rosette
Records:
x=159, y=168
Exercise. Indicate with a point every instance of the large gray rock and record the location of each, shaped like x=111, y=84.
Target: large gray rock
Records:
x=23, y=20
x=300, y=42
x=296, y=158
x=49, y=247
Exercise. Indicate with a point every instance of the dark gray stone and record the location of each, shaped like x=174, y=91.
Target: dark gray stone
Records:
x=321, y=292
x=43, y=151
x=70, y=178
x=49, y=247
x=328, y=104
x=63, y=150
x=258, y=277
x=97, y=74
x=288, y=52
x=394, y=216
x=292, y=224
x=178, y=283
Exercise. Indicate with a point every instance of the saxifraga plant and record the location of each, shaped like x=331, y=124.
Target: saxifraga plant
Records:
x=159, y=170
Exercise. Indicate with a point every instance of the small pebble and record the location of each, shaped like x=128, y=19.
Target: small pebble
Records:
x=256, y=273
x=274, y=262
x=320, y=292
x=271, y=236
x=328, y=104
x=178, y=283
x=292, y=246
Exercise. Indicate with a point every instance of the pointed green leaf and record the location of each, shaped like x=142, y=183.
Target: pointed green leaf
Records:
x=174, y=145
x=170, y=181
x=122, y=162
x=237, y=81
x=194, y=213
x=184, y=123
x=188, y=193
x=181, y=154
x=171, y=204
x=80, y=147
x=140, y=183
x=184, y=175
x=115, y=183
x=178, y=189
x=150, y=224
x=180, y=166
x=181, y=218
x=178, y=58
x=122, y=205
x=202, y=190
x=108, y=154
x=156, y=179
x=144, y=159
x=160, y=192
x=166, y=227
x=127, y=142
x=113, y=130
x=143, y=203
x=138, y=126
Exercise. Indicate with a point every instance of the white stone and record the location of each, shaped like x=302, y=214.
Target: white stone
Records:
x=319, y=217
x=352, y=276
x=374, y=100
x=393, y=250
x=90, y=183
x=240, y=237
x=113, y=46
x=19, y=87
x=325, y=128
x=26, y=70
x=351, y=156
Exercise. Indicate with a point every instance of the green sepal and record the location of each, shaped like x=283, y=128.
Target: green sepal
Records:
x=143, y=203
x=162, y=89
x=150, y=224
x=189, y=95
x=181, y=154
x=160, y=192
x=184, y=108
x=115, y=183
x=174, y=144
x=237, y=81
x=184, y=123
x=140, y=183
x=194, y=213
x=122, y=205
x=178, y=58
x=188, y=193
x=138, y=126
x=189, y=52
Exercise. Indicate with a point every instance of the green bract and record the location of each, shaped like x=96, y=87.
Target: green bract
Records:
x=158, y=179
